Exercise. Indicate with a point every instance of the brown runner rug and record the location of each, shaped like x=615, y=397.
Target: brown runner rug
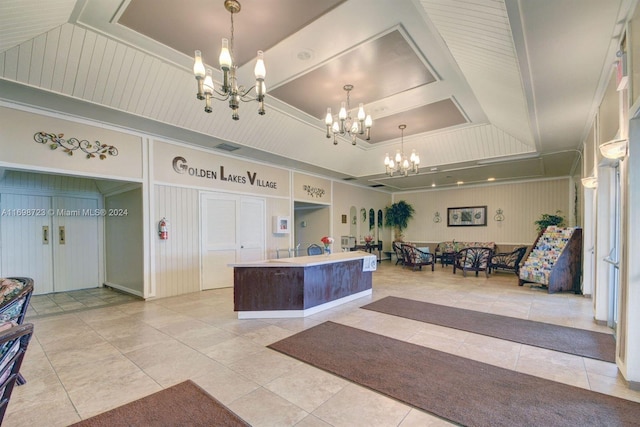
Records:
x=184, y=404
x=461, y=390
x=594, y=345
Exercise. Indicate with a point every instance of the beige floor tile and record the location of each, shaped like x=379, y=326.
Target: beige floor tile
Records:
x=123, y=352
x=356, y=406
x=306, y=386
x=262, y=408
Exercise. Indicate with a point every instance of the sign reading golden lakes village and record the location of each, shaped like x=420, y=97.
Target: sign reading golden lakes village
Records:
x=181, y=165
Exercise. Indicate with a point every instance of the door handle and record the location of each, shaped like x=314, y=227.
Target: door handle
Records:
x=45, y=234
x=61, y=237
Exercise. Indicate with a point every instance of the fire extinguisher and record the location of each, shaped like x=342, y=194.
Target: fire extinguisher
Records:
x=163, y=230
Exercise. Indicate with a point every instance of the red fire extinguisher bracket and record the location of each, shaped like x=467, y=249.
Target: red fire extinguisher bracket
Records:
x=163, y=229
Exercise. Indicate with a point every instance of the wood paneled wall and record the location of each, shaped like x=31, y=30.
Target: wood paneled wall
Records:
x=177, y=260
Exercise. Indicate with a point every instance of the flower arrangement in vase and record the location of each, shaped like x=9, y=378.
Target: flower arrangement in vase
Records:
x=327, y=241
x=368, y=239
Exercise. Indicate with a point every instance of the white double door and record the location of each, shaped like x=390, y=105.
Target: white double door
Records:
x=233, y=230
x=54, y=240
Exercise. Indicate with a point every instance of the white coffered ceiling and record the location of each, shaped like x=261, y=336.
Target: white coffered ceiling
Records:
x=472, y=79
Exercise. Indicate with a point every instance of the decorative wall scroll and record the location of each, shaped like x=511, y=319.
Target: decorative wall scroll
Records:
x=467, y=216
x=313, y=191
x=91, y=149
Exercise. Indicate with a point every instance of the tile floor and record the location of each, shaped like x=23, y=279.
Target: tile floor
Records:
x=83, y=360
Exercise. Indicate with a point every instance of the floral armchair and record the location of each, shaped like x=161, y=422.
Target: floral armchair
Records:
x=508, y=261
x=415, y=258
x=14, y=340
x=15, y=294
x=473, y=259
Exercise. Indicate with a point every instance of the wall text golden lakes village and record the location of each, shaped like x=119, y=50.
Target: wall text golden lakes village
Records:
x=180, y=166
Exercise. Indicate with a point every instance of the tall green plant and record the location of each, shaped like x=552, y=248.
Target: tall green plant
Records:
x=397, y=216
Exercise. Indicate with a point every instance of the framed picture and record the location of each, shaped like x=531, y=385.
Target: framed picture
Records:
x=467, y=217
x=344, y=219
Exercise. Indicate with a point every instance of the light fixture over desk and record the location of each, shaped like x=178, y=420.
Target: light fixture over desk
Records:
x=347, y=126
x=229, y=89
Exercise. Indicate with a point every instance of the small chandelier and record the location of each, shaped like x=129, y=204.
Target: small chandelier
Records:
x=230, y=89
x=400, y=163
x=345, y=125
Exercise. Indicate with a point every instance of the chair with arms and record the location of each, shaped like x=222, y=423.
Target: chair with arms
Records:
x=14, y=340
x=509, y=261
x=398, y=250
x=314, y=249
x=472, y=259
x=15, y=294
x=415, y=258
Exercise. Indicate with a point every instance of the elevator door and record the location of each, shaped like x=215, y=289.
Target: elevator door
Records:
x=53, y=240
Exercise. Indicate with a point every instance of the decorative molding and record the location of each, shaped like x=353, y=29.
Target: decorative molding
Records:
x=91, y=149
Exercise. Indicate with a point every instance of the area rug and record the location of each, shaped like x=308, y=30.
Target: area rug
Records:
x=184, y=404
x=594, y=345
x=460, y=390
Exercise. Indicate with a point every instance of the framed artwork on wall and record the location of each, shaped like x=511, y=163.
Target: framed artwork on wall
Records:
x=469, y=216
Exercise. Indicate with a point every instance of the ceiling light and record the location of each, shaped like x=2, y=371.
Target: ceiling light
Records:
x=230, y=89
x=491, y=179
x=400, y=163
x=614, y=149
x=345, y=125
x=590, y=182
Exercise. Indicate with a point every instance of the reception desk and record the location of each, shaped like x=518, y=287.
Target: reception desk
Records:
x=298, y=287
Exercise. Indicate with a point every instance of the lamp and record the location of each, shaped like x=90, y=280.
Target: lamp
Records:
x=590, y=182
x=400, y=163
x=614, y=149
x=345, y=125
x=230, y=89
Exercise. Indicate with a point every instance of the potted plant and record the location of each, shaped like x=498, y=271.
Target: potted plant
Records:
x=549, y=219
x=397, y=216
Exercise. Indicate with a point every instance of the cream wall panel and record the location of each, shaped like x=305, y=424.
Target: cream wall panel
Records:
x=17, y=181
x=35, y=71
x=521, y=203
x=177, y=260
x=124, y=242
x=205, y=169
x=18, y=147
x=311, y=188
x=609, y=112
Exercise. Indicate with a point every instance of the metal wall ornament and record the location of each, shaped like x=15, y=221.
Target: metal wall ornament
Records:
x=499, y=216
x=91, y=149
x=436, y=217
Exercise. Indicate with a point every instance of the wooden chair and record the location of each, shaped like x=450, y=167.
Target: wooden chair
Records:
x=472, y=259
x=398, y=250
x=508, y=261
x=15, y=294
x=314, y=249
x=14, y=340
x=415, y=258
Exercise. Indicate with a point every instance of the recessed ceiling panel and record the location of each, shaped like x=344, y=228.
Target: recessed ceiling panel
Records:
x=377, y=69
x=188, y=25
x=427, y=118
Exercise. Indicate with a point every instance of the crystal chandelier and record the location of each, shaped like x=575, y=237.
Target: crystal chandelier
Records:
x=345, y=125
x=401, y=163
x=230, y=89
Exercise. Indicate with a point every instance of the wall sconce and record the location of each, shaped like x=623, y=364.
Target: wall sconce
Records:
x=590, y=182
x=614, y=149
x=499, y=216
x=436, y=217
